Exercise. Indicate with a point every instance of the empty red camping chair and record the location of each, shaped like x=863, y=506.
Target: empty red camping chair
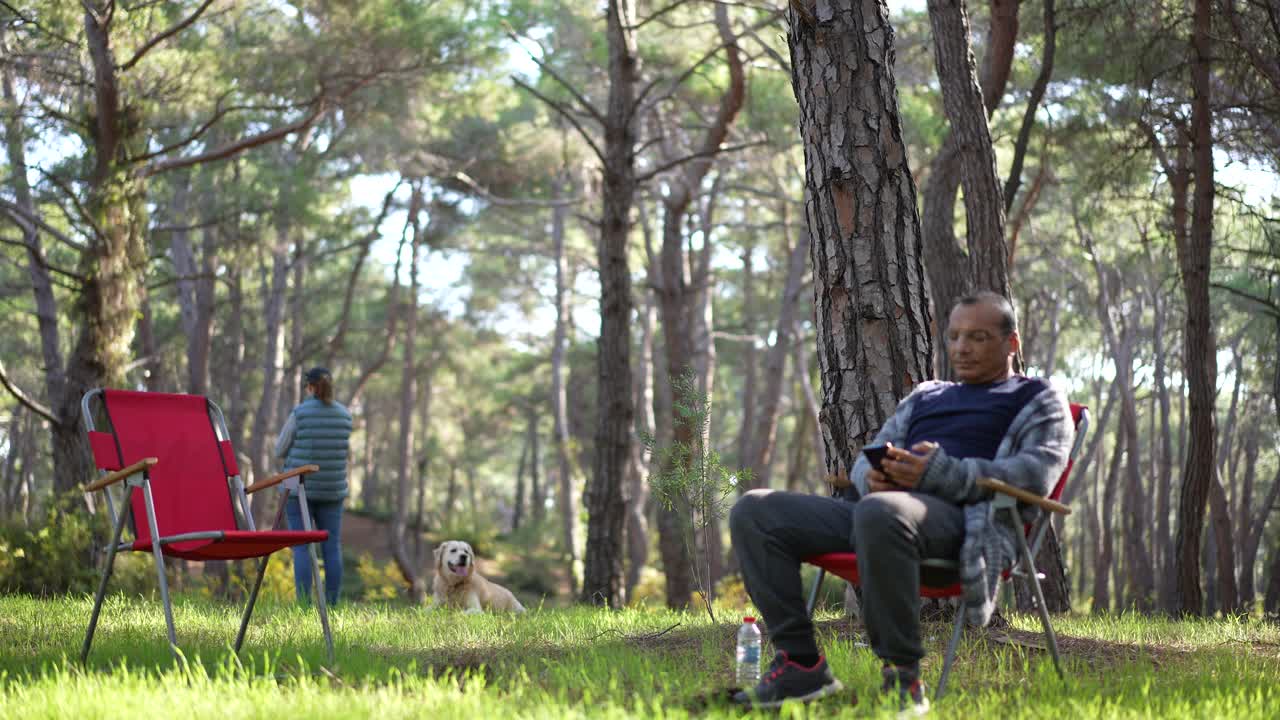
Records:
x=939, y=577
x=184, y=493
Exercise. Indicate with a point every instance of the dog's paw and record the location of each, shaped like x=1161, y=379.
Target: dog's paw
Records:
x=472, y=611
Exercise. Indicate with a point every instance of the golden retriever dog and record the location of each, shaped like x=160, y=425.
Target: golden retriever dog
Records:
x=459, y=585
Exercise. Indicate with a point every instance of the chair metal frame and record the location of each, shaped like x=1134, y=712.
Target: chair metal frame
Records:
x=137, y=476
x=1006, y=500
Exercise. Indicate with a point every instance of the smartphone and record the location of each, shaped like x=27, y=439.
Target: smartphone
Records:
x=875, y=455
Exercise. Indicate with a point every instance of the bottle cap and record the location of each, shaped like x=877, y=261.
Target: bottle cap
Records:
x=748, y=619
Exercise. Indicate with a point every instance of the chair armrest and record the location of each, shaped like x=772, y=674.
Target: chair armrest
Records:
x=112, y=478
x=281, y=477
x=1023, y=495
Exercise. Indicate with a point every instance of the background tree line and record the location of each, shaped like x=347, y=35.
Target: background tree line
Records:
x=506, y=226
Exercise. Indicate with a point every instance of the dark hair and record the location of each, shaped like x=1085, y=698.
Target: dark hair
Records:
x=322, y=380
x=1008, y=321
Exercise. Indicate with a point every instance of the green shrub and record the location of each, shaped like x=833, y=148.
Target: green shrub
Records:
x=53, y=559
x=378, y=582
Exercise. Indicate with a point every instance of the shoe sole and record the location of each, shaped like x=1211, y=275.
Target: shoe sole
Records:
x=914, y=711
x=833, y=687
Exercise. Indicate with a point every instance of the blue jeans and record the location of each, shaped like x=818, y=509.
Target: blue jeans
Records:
x=325, y=515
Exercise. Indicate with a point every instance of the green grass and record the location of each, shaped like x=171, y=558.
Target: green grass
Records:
x=401, y=662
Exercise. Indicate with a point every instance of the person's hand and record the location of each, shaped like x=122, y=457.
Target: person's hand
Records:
x=905, y=468
x=877, y=481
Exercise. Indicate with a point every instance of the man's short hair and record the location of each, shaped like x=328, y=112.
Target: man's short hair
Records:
x=1008, y=321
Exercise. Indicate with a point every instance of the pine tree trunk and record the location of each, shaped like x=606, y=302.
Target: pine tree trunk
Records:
x=1103, y=565
x=953, y=272
x=602, y=579
x=1198, y=342
x=874, y=341
x=638, y=473
x=764, y=435
x=264, y=420
x=408, y=401
x=684, y=291
x=568, y=505
x=962, y=99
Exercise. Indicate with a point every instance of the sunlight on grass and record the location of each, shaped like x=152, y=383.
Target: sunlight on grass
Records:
x=397, y=662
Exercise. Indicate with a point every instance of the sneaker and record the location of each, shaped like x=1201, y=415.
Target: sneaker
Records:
x=913, y=701
x=888, y=679
x=905, y=683
x=786, y=680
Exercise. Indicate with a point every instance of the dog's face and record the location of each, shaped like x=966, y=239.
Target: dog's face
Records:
x=455, y=561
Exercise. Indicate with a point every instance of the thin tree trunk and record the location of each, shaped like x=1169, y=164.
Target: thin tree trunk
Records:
x=517, y=513
x=1224, y=548
x=962, y=99
x=602, y=580
x=764, y=436
x=1201, y=363
x=408, y=400
x=1254, y=523
x=810, y=403
x=70, y=459
x=1102, y=566
x=950, y=267
x=568, y=505
x=684, y=291
x=638, y=496
x=1164, y=464
x=272, y=347
x=798, y=468
x=750, y=355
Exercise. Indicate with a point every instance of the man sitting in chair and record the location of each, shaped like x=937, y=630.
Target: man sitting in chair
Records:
x=943, y=437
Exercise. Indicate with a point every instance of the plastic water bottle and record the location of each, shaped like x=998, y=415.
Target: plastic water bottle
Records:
x=748, y=663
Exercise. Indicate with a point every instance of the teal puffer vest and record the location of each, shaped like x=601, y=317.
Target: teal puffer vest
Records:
x=322, y=438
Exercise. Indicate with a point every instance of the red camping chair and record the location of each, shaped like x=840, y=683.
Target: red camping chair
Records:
x=183, y=487
x=939, y=577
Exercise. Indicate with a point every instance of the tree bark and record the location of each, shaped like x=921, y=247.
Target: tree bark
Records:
x=810, y=402
x=750, y=355
x=950, y=267
x=264, y=419
x=1198, y=344
x=70, y=460
x=872, y=310
x=962, y=99
x=638, y=495
x=602, y=580
x=684, y=289
x=517, y=512
x=1224, y=547
x=764, y=435
x=109, y=298
x=1163, y=540
x=568, y=505
x=1102, y=565
x=407, y=565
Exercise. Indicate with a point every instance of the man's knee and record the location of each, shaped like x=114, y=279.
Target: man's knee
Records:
x=875, y=514
x=748, y=511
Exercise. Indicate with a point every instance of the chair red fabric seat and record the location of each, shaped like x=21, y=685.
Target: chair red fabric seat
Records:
x=235, y=544
x=934, y=582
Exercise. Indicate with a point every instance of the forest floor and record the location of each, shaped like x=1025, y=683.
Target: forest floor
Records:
x=395, y=661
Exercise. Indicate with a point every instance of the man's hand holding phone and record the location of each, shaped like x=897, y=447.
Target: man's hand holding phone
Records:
x=893, y=468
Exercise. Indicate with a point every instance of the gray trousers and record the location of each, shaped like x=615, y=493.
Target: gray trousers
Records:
x=891, y=531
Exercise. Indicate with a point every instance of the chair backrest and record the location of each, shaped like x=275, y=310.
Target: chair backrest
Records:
x=189, y=484
x=1080, y=419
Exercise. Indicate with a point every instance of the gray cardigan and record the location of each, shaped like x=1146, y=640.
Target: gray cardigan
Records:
x=1031, y=456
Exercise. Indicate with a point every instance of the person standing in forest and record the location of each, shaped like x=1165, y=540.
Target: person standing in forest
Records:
x=923, y=502
x=318, y=432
